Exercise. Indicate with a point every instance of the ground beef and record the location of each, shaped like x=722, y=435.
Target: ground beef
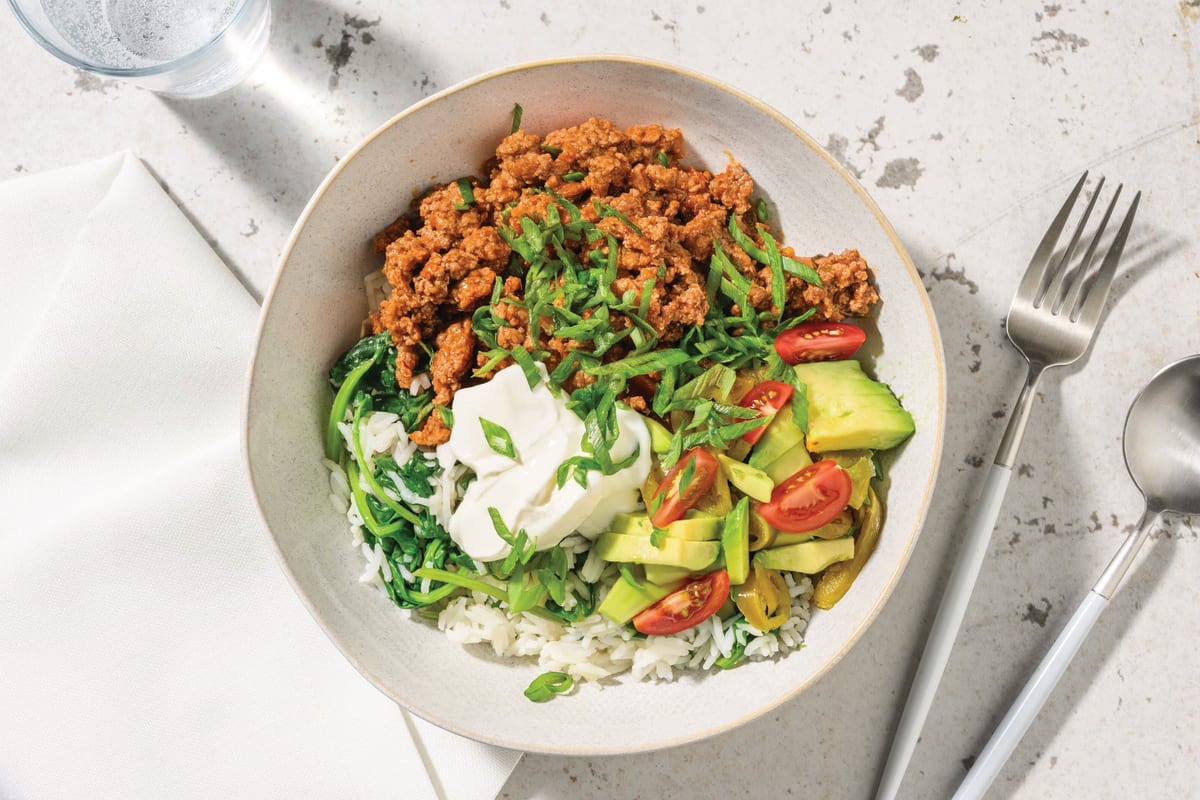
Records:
x=443, y=260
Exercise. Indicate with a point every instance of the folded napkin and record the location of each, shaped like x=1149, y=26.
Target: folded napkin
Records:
x=150, y=646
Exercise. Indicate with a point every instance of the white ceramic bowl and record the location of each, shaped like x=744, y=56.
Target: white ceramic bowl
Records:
x=313, y=312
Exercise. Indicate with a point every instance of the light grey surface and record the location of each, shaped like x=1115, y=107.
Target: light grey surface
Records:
x=967, y=125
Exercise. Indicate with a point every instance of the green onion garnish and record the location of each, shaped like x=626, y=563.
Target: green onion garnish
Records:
x=555, y=152
x=760, y=209
x=467, y=193
x=641, y=364
x=574, y=177
x=801, y=270
x=516, y=114
x=547, y=685
x=662, y=158
x=498, y=438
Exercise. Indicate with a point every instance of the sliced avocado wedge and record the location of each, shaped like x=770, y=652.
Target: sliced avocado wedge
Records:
x=660, y=437
x=748, y=480
x=735, y=542
x=849, y=411
x=695, y=529
x=625, y=601
x=697, y=526
x=666, y=576
x=673, y=553
x=635, y=524
x=789, y=464
x=780, y=436
x=807, y=557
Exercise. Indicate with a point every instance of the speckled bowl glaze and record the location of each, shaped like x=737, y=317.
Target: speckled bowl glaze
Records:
x=313, y=313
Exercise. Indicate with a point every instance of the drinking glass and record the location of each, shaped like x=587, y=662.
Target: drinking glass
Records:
x=186, y=48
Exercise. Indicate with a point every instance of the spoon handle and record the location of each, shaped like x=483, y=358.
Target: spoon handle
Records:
x=1054, y=665
x=1032, y=698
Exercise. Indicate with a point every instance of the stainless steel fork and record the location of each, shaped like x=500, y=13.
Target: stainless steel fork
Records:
x=1051, y=322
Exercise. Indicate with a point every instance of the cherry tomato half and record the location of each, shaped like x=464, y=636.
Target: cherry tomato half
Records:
x=819, y=341
x=670, y=501
x=695, y=602
x=809, y=499
x=766, y=398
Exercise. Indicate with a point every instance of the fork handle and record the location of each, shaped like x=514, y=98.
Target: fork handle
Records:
x=949, y=617
x=957, y=595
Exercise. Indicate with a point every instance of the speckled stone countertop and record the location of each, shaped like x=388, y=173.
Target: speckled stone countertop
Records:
x=967, y=124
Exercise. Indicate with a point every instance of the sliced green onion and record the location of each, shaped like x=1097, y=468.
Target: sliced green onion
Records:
x=801, y=270
x=745, y=242
x=775, y=262
x=641, y=364
x=446, y=414
x=548, y=684
x=605, y=210
x=760, y=209
x=552, y=150
x=662, y=158
x=466, y=193
x=498, y=438
x=516, y=117
x=574, y=177
x=525, y=361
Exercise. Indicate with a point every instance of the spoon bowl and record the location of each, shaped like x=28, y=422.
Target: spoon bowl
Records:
x=1162, y=438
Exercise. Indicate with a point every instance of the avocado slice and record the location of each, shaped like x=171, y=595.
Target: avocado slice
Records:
x=788, y=464
x=747, y=479
x=735, y=542
x=849, y=411
x=660, y=437
x=780, y=436
x=807, y=557
x=625, y=601
x=693, y=528
x=635, y=524
x=673, y=553
x=666, y=576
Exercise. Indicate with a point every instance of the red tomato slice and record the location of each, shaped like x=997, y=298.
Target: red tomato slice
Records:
x=809, y=499
x=691, y=605
x=766, y=398
x=670, y=502
x=819, y=341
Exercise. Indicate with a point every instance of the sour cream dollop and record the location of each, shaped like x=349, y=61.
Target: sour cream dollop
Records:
x=544, y=433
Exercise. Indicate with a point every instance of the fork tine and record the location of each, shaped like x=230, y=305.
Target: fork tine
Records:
x=1064, y=264
x=1093, y=303
x=1070, y=303
x=1031, y=282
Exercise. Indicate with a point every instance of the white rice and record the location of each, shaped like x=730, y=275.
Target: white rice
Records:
x=593, y=649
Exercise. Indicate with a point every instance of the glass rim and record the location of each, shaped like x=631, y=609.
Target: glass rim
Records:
x=127, y=72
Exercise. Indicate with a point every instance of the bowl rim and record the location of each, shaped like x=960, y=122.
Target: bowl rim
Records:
x=405, y=703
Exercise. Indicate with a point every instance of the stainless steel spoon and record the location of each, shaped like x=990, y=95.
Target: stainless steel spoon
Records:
x=1162, y=453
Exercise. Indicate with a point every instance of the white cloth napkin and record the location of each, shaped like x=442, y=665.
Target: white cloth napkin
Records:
x=150, y=646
